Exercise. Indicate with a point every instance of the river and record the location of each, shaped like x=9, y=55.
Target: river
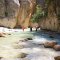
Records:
x=33, y=48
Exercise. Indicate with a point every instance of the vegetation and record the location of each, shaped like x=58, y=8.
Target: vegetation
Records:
x=56, y=7
x=39, y=13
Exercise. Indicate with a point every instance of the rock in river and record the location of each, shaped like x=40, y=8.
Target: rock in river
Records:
x=57, y=58
x=21, y=55
x=57, y=47
x=50, y=44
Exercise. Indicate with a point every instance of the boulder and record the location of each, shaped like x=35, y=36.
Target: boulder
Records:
x=6, y=33
x=2, y=35
x=1, y=57
x=57, y=58
x=21, y=55
x=51, y=36
x=50, y=44
x=29, y=39
x=57, y=47
x=17, y=46
x=9, y=34
x=24, y=40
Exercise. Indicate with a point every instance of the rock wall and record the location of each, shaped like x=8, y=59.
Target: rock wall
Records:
x=2, y=8
x=12, y=15
x=8, y=13
x=8, y=22
x=25, y=12
x=51, y=22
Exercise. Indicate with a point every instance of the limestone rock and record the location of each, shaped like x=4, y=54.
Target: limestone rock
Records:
x=17, y=46
x=8, y=13
x=51, y=22
x=51, y=36
x=49, y=44
x=21, y=55
x=1, y=57
x=6, y=33
x=24, y=40
x=2, y=35
x=57, y=58
x=57, y=47
x=29, y=38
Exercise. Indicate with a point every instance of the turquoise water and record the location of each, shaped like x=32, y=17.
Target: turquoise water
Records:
x=34, y=51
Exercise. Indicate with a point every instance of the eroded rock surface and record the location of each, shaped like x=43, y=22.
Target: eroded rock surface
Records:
x=8, y=13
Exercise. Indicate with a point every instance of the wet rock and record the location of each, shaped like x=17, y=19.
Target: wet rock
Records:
x=2, y=35
x=24, y=40
x=8, y=12
x=29, y=39
x=50, y=44
x=22, y=55
x=51, y=36
x=9, y=34
x=6, y=33
x=17, y=46
x=57, y=58
x=1, y=57
x=57, y=47
x=17, y=42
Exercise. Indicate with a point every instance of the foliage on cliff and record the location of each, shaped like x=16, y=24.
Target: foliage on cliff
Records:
x=39, y=13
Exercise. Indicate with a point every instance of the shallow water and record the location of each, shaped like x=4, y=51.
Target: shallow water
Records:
x=32, y=48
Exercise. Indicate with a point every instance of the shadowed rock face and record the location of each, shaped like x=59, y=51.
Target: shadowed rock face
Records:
x=2, y=8
x=8, y=8
x=41, y=2
x=52, y=20
x=8, y=13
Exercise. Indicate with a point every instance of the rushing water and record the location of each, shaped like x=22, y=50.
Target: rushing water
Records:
x=32, y=48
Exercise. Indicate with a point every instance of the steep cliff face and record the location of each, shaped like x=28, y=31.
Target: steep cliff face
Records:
x=8, y=13
x=2, y=8
x=12, y=15
x=25, y=12
x=51, y=22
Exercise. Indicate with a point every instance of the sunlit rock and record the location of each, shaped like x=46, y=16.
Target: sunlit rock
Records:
x=24, y=40
x=25, y=12
x=2, y=35
x=57, y=47
x=50, y=44
x=21, y=55
x=8, y=13
x=17, y=46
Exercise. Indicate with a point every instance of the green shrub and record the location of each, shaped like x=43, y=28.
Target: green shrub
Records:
x=38, y=14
